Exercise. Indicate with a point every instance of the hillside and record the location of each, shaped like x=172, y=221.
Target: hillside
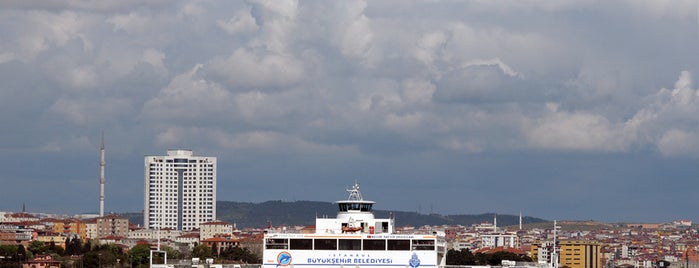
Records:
x=304, y=213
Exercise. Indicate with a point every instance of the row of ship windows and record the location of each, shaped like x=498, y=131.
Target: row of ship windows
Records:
x=349, y=244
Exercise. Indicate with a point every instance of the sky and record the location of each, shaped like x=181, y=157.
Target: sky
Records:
x=568, y=110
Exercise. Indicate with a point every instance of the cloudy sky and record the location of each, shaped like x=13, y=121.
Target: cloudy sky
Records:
x=559, y=109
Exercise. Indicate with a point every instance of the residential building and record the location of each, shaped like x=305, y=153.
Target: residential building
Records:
x=153, y=234
x=70, y=227
x=210, y=229
x=507, y=240
x=180, y=190
x=91, y=228
x=571, y=253
x=220, y=242
x=580, y=254
x=42, y=261
x=112, y=225
x=17, y=217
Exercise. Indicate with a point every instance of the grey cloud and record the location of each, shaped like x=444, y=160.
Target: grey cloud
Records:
x=482, y=83
x=396, y=91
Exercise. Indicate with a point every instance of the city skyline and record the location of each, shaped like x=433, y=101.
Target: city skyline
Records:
x=561, y=110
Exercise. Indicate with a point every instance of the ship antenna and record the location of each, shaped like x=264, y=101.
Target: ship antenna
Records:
x=355, y=194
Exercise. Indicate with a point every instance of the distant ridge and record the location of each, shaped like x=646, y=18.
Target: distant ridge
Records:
x=279, y=213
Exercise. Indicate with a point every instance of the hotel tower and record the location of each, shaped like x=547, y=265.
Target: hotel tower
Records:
x=179, y=190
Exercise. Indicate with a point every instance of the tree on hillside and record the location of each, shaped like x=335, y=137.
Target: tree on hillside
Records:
x=460, y=257
x=138, y=255
x=52, y=248
x=104, y=255
x=22, y=253
x=37, y=247
x=74, y=246
x=239, y=254
x=11, y=252
x=171, y=252
x=202, y=252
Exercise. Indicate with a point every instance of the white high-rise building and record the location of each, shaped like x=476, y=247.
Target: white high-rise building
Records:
x=180, y=190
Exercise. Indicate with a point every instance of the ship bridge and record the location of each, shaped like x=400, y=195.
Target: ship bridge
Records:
x=354, y=215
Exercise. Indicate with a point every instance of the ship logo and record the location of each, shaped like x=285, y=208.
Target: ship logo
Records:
x=414, y=261
x=283, y=259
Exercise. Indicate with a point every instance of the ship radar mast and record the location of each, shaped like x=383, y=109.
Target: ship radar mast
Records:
x=355, y=194
x=355, y=204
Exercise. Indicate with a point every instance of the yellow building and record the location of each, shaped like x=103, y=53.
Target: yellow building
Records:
x=71, y=226
x=571, y=253
x=57, y=239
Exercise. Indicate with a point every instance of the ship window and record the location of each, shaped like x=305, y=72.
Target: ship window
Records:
x=343, y=207
x=423, y=244
x=399, y=244
x=277, y=243
x=301, y=244
x=327, y=244
x=374, y=244
x=350, y=244
x=366, y=207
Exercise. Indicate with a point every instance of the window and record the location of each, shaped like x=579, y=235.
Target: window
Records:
x=277, y=244
x=398, y=244
x=350, y=244
x=374, y=244
x=326, y=244
x=301, y=244
x=423, y=244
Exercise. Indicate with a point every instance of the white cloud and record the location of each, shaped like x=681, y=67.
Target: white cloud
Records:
x=494, y=62
x=241, y=22
x=677, y=142
x=285, y=8
x=560, y=130
x=405, y=122
x=132, y=23
x=258, y=141
x=669, y=121
x=258, y=69
x=417, y=91
x=428, y=47
x=356, y=39
x=82, y=111
x=189, y=98
x=6, y=57
x=43, y=30
x=155, y=58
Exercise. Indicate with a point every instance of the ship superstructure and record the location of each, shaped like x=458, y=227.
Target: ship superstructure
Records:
x=355, y=238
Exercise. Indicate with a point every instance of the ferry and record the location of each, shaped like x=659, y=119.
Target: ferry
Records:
x=354, y=239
